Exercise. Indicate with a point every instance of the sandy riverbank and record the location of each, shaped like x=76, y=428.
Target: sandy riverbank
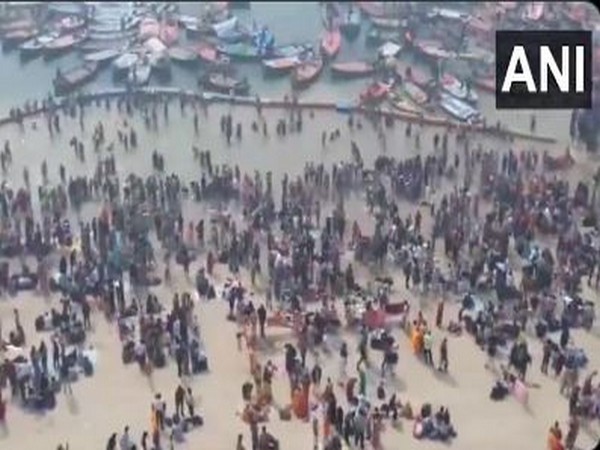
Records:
x=119, y=395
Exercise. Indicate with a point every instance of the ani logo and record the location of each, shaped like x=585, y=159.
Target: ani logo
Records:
x=544, y=69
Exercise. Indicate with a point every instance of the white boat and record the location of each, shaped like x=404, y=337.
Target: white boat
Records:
x=458, y=109
x=125, y=62
x=458, y=89
x=36, y=45
x=139, y=74
x=225, y=28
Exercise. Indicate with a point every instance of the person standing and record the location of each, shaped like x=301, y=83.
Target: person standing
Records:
x=427, y=345
x=179, y=400
x=444, y=356
x=343, y=361
x=190, y=401
x=262, y=319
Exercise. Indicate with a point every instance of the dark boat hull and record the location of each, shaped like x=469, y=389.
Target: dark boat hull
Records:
x=351, y=74
x=241, y=88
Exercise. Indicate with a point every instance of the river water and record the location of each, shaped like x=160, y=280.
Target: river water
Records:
x=290, y=22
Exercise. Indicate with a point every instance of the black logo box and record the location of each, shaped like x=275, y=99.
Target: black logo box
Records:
x=519, y=97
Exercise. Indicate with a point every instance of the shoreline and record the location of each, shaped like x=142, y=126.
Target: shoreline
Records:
x=340, y=107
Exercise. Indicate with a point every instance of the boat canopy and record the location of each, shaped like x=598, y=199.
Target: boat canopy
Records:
x=155, y=45
x=389, y=49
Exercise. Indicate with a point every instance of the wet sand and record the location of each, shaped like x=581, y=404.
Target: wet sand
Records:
x=118, y=395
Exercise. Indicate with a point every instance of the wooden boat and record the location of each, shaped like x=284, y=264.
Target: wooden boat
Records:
x=183, y=55
x=458, y=109
x=225, y=84
x=14, y=38
x=160, y=63
x=401, y=102
x=373, y=9
x=306, y=72
x=241, y=51
x=352, y=69
x=377, y=36
x=96, y=46
x=64, y=43
x=225, y=27
x=280, y=66
x=374, y=93
x=70, y=24
x=434, y=50
x=350, y=24
x=415, y=93
x=458, y=88
x=21, y=24
x=129, y=35
x=70, y=79
x=286, y=51
x=125, y=62
x=487, y=84
x=331, y=43
x=415, y=76
x=139, y=73
x=533, y=11
x=207, y=53
x=386, y=23
x=102, y=57
x=33, y=47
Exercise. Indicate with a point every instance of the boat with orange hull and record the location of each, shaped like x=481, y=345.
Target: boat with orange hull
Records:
x=306, y=73
x=331, y=42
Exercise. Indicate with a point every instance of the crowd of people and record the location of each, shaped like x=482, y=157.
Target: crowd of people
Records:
x=294, y=239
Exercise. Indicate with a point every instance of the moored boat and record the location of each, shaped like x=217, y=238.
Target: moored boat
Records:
x=72, y=78
x=350, y=24
x=434, y=50
x=183, y=55
x=64, y=43
x=90, y=46
x=139, y=73
x=376, y=36
x=487, y=84
x=458, y=109
x=33, y=47
x=102, y=56
x=241, y=51
x=459, y=89
x=21, y=24
x=331, y=43
x=285, y=51
x=386, y=23
x=374, y=93
x=415, y=93
x=70, y=23
x=225, y=84
x=306, y=72
x=414, y=75
x=280, y=66
x=352, y=69
x=373, y=9
x=125, y=62
x=14, y=38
